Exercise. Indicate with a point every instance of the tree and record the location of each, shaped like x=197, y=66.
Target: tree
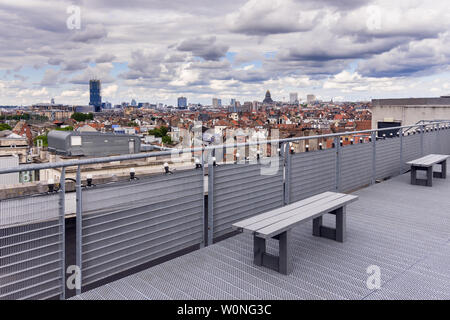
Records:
x=68, y=128
x=159, y=132
x=43, y=138
x=79, y=117
x=5, y=126
x=167, y=140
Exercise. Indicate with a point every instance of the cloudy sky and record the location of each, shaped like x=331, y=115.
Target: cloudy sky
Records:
x=156, y=50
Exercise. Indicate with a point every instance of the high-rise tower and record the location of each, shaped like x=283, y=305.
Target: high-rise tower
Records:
x=95, y=95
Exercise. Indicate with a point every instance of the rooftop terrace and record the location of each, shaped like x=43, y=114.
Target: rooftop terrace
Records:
x=403, y=229
x=124, y=226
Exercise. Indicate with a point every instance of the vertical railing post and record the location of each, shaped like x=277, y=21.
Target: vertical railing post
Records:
x=210, y=226
x=438, y=148
x=337, y=144
x=62, y=223
x=422, y=132
x=287, y=172
x=79, y=226
x=401, y=151
x=204, y=212
x=374, y=157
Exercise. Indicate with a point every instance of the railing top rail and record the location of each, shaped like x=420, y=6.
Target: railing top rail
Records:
x=72, y=163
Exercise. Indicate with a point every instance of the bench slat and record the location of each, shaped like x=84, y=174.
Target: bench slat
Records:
x=428, y=160
x=295, y=212
x=244, y=223
x=287, y=224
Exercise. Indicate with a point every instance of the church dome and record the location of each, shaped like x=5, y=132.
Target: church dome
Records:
x=268, y=98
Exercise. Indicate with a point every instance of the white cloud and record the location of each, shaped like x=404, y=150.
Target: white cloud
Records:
x=167, y=47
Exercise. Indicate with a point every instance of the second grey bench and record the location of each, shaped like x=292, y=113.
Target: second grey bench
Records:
x=278, y=223
x=426, y=164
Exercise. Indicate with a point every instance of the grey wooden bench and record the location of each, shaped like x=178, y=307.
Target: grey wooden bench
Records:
x=278, y=223
x=426, y=164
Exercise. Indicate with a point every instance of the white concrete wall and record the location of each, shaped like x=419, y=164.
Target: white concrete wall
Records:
x=409, y=115
x=9, y=162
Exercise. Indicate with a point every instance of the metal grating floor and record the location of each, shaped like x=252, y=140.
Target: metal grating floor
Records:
x=403, y=229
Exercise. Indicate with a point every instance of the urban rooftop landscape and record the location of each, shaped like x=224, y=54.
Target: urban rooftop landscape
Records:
x=228, y=156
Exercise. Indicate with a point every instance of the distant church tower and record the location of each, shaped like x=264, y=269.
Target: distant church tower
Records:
x=268, y=98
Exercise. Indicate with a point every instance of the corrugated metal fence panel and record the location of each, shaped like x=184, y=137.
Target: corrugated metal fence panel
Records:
x=387, y=158
x=445, y=141
x=31, y=245
x=132, y=223
x=242, y=191
x=312, y=173
x=411, y=149
x=430, y=144
x=356, y=166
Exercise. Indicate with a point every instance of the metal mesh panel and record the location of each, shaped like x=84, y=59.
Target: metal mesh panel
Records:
x=312, y=173
x=411, y=149
x=356, y=166
x=444, y=141
x=241, y=191
x=31, y=248
x=128, y=224
x=430, y=144
x=387, y=158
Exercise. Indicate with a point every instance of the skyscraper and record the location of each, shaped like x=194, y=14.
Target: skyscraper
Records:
x=310, y=98
x=95, y=95
x=216, y=102
x=293, y=98
x=182, y=103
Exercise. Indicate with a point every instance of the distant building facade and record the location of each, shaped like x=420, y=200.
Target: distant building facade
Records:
x=310, y=98
x=182, y=103
x=95, y=95
x=216, y=102
x=293, y=97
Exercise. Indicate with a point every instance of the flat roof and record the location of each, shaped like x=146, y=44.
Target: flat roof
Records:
x=401, y=228
x=442, y=101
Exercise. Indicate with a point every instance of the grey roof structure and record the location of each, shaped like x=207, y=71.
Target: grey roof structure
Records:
x=441, y=101
x=401, y=228
x=76, y=143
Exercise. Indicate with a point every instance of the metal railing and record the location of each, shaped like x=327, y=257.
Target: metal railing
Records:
x=125, y=224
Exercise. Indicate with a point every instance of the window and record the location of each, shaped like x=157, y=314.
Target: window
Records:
x=75, y=141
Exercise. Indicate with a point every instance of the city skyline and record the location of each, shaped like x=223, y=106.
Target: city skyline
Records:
x=239, y=49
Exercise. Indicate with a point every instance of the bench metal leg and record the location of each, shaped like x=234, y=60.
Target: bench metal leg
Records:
x=317, y=225
x=282, y=263
x=338, y=233
x=341, y=224
x=430, y=177
x=413, y=175
x=285, y=252
x=259, y=249
x=428, y=182
x=443, y=173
